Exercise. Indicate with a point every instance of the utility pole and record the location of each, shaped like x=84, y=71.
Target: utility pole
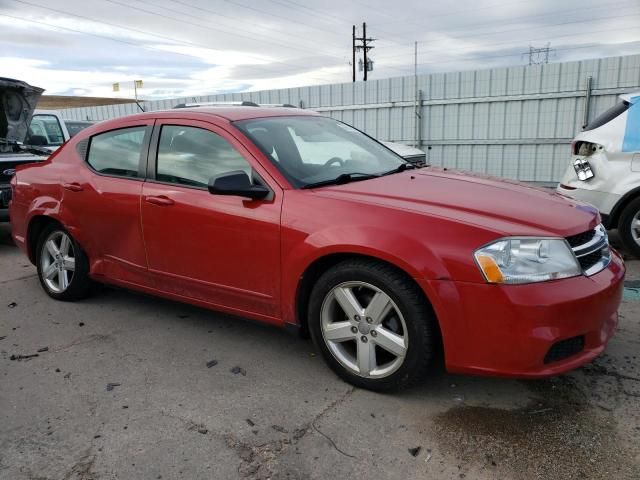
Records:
x=365, y=46
x=353, y=53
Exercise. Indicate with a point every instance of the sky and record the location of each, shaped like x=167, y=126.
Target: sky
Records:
x=196, y=47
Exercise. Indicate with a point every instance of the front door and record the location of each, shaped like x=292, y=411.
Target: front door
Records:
x=222, y=250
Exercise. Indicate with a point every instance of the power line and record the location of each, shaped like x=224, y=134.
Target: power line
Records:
x=213, y=12
x=328, y=17
x=412, y=19
x=529, y=17
x=199, y=25
x=271, y=14
x=546, y=37
x=258, y=36
x=487, y=57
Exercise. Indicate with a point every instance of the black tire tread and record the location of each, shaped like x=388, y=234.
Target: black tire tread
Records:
x=624, y=227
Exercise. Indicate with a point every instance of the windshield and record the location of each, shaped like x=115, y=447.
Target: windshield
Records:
x=45, y=131
x=313, y=150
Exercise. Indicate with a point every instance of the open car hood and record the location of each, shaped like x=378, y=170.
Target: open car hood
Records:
x=17, y=102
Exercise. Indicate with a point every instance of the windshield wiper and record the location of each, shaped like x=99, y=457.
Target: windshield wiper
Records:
x=401, y=168
x=342, y=179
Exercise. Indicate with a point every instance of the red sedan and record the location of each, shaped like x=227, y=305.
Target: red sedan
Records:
x=291, y=218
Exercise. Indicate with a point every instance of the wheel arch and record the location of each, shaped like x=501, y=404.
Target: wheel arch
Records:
x=36, y=225
x=618, y=208
x=323, y=263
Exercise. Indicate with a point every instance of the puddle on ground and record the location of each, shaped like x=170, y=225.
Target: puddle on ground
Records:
x=556, y=436
x=631, y=290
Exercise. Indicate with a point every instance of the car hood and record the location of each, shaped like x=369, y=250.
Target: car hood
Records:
x=17, y=102
x=502, y=206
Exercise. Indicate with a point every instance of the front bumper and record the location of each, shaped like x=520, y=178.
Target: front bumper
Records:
x=510, y=330
x=603, y=201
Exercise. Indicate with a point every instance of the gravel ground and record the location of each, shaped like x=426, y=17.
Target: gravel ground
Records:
x=131, y=386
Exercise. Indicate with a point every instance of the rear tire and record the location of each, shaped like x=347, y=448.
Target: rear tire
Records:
x=373, y=325
x=629, y=227
x=63, y=267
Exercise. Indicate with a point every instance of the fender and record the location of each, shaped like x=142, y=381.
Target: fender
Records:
x=611, y=221
x=404, y=252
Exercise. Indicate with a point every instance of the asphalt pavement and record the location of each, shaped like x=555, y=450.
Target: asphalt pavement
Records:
x=128, y=386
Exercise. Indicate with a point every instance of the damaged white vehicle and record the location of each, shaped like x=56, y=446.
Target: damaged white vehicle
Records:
x=17, y=103
x=605, y=169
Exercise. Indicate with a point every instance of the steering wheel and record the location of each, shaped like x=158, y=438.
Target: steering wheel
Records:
x=333, y=160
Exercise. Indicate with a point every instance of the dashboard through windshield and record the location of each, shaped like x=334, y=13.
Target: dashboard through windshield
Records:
x=314, y=150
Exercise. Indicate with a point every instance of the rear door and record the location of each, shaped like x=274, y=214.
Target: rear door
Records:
x=223, y=250
x=102, y=200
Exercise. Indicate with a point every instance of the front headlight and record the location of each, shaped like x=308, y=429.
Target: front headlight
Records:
x=527, y=260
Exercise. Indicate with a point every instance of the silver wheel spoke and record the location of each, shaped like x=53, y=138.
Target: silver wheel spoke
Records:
x=50, y=271
x=391, y=342
x=64, y=245
x=344, y=321
x=52, y=248
x=366, y=357
x=339, y=332
x=63, y=280
x=69, y=264
x=379, y=307
x=347, y=301
x=57, y=262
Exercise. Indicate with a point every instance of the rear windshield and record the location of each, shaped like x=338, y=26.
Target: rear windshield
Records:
x=607, y=116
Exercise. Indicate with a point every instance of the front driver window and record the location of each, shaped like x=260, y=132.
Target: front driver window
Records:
x=191, y=156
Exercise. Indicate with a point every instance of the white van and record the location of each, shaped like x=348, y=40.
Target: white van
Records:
x=605, y=169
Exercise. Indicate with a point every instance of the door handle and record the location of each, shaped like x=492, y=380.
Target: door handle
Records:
x=74, y=187
x=160, y=200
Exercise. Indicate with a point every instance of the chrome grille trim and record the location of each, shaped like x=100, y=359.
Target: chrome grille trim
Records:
x=585, y=252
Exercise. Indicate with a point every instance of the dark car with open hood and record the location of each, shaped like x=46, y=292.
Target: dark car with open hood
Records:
x=17, y=102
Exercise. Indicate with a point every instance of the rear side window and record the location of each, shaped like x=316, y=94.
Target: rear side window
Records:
x=117, y=152
x=608, y=115
x=191, y=156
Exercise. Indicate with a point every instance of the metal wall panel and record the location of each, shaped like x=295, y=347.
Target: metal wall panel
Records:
x=515, y=122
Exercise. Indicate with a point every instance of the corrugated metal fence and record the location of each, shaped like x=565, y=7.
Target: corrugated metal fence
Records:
x=514, y=122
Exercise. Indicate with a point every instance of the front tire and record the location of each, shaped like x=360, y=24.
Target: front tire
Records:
x=629, y=227
x=373, y=325
x=63, y=267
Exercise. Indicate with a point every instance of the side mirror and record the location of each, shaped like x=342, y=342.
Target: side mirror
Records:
x=237, y=183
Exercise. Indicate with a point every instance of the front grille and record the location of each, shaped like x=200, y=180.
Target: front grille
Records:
x=591, y=248
x=581, y=238
x=588, y=261
x=564, y=349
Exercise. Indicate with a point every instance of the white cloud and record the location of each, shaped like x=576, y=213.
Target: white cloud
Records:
x=192, y=47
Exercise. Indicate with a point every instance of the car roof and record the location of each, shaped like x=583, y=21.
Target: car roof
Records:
x=231, y=114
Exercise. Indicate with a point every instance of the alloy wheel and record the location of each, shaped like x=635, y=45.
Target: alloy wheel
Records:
x=635, y=227
x=57, y=261
x=364, y=329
